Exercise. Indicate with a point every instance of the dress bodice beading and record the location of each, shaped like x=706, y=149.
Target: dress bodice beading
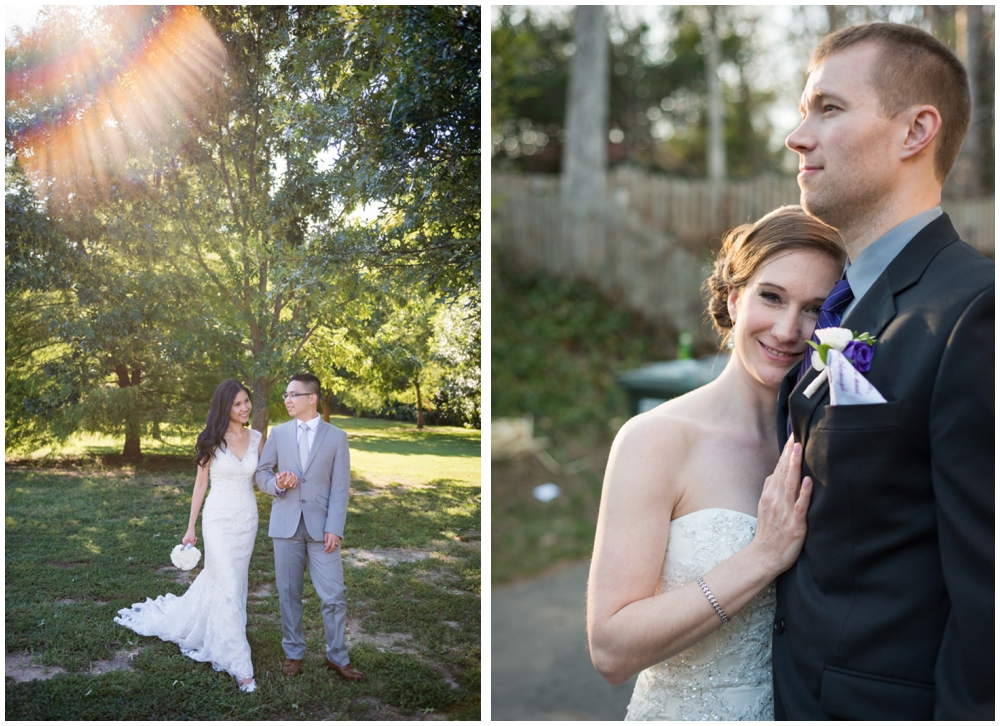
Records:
x=727, y=675
x=231, y=493
x=226, y=471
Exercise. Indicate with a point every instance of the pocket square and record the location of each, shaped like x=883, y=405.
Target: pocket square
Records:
x=847, y=386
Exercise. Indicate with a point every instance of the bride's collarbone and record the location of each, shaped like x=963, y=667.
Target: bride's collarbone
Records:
x=238, y=447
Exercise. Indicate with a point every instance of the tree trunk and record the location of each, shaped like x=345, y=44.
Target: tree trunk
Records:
x=261, y=394
x=969, y=172
x=585, y=156
x=324, y=405
x=836, y=17
x=420, y=406
x=716, y=127
x=133, y=431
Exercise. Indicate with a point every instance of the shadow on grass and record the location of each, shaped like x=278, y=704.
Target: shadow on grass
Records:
x=398, y=517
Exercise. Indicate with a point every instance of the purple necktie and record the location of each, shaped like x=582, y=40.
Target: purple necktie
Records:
x=829, y=317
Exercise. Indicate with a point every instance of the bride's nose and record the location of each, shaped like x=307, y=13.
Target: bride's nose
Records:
x=786, y=328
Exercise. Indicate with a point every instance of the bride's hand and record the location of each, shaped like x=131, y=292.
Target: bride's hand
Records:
x=189, y=538
x=781, y=513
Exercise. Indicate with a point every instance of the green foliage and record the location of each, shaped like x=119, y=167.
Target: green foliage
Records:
x=402, y=83
x=556, y=347
x=374, y=364
x=214, y=243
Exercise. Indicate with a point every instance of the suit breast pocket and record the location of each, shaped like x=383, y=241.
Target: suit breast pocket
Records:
x=865, y=417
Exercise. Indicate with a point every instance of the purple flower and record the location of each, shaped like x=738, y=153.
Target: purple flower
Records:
x=859, y=353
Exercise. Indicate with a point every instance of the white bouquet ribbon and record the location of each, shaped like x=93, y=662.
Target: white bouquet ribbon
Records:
x=185, y=557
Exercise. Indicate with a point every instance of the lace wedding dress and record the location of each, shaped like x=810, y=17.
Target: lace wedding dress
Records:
x=209, y=620
x=726, y=676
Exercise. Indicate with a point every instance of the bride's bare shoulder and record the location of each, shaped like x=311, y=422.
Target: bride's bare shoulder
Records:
x=671, y=424
x=654, y=448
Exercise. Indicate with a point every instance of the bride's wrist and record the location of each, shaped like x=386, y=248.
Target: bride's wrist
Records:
x=768, y=563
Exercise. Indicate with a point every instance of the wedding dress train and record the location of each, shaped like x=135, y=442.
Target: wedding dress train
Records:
x=726, y=676
x=209, y=620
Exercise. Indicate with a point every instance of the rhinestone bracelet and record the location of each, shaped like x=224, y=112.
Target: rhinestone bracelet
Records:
x=711, y=599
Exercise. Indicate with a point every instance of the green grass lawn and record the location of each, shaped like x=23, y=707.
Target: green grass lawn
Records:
x=85, y=538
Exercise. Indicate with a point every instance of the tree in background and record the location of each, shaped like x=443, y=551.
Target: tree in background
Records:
x=215, y=206
x=658, y=109
x=659, y=99
x=401, y=86
x=427, y=349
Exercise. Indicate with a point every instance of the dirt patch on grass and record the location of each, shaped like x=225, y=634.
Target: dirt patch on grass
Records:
x=388, y=556
x=19, y=668
x=72, y=601
x=264, y=591
x=385, y=642
x=122, y=661
x=378, y=711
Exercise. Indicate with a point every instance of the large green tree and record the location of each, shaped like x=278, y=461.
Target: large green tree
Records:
x=253, y=184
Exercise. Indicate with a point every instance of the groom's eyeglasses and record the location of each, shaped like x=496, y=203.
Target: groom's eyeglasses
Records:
x=286, y=396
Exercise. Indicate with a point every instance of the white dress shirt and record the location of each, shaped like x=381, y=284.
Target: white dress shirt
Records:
x=312, y=425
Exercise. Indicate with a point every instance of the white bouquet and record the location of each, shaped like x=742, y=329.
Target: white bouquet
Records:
x=185, y=557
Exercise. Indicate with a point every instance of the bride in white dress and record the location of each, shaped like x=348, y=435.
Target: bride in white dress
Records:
x=209, y=620
x=681, y=582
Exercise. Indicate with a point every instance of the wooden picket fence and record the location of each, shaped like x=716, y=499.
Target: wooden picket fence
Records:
x=651, y=247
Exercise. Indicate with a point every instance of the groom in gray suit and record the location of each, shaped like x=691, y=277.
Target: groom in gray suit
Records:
x=307, y=521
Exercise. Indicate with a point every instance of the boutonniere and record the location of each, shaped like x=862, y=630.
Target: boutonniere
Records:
x=855, y=347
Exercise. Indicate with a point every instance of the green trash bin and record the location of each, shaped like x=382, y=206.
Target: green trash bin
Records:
x=654, y=383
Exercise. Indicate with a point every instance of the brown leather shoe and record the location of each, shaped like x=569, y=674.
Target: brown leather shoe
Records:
x=347, y=672
x=291, y=667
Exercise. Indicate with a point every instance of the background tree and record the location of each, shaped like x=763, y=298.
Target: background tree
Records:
x=658, y=107
x=402, y=84
x=229, y=184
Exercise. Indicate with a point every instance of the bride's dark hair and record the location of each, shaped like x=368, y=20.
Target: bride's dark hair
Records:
x=213, y=435
x=747, y=247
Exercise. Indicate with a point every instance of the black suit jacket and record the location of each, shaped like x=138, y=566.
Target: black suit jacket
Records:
x=889, y=611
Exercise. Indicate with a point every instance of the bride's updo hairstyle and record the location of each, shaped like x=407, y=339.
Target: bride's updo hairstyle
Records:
x=747, y=247
x=214, y=434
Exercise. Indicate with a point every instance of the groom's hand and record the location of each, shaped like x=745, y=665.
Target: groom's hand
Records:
x=330, y=542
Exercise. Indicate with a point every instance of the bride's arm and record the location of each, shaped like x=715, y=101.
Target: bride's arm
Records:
x=197, y=497
x=628, y=627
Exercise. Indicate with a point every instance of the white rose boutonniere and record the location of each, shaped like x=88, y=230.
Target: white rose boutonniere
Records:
x=185, y=557
x=855, y=347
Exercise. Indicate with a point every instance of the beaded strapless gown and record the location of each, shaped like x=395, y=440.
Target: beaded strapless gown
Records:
x=726, y=676
x=209, y=620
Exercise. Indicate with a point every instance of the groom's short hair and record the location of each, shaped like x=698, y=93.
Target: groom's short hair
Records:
x=311, y=382
x=913, y=67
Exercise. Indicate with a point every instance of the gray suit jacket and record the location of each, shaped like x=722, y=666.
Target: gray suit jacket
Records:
x=321, y=495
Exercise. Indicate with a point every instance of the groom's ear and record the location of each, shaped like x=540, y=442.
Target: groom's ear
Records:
x=923, y=123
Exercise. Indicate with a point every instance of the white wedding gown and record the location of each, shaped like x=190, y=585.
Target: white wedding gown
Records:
x=209, y=620
x=726, y=676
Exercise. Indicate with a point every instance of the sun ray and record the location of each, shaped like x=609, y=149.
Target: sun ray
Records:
x=107, y=102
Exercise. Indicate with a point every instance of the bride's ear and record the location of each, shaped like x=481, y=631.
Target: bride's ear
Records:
x=733, y=302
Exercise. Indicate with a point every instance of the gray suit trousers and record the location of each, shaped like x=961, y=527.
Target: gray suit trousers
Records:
x=327, y=574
